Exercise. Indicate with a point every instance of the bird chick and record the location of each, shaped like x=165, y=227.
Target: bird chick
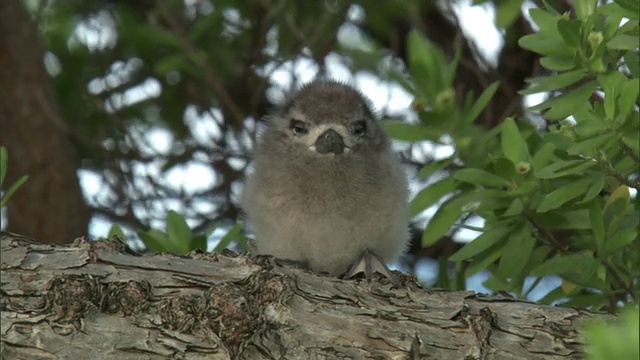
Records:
x=327, y=190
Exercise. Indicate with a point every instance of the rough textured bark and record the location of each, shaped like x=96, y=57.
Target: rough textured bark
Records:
x=94, y=299
x=50, y=206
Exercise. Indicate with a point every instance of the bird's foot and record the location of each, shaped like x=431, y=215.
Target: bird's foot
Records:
x=368, y=263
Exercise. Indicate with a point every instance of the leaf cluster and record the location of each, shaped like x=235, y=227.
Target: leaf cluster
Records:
x=179, y=238
x=614, y=340
x=555, y=201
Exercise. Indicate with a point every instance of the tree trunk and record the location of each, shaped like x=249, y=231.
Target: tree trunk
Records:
x=94, y=300
x=50, y=205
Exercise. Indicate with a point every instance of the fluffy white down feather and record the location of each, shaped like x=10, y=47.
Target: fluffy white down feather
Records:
x=325, y=210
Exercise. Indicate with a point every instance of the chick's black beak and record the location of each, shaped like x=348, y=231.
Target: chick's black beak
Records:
x=330, y=142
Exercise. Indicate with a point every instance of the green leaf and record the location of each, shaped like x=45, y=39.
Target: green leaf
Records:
x=546, y=21
x=623, y=42
x=584, y=8
x=585, y=278
x=578, y=219
x=631, y=140
x=155, y=240
x=482, y=242
x=561, y=139
x=515, y=208
x=198, y=242
x=595, y=188
x=616, y=338
x=543, y=156
x=12, y=189
x=545, y=46
x=611, y=83
x=480, y=177
x=514, y=147
x=554, y=82
x=434, y=167
x=435, y=120
x=570, y=102
x=558, y=63
x=460, y=280
x=525, y=188
x=430, y=195
x=589, y=300
x=562, y=195
x=233, y=234
x=563, y=168
x=410, y=132
x=577, y=95
x=480, y=200
x=483, y=260
x=621, y=239
x=443, y=281
x=439, y=224
x=597, y=222
x=472, y=113
x=496, y=284
x=570, y=31
x=620, y=193
x=178, y=232
x=593, y=144
x=419, y=62
x=611, y=23
x=517, y=251
x=210, y=229
x=565, y=264
x=538, y=255
x=628, y=96
x=631, y=5
x=632, y=60
x=115, y=230
x=589, y=124
x=426, y=65
x=628, y=27
x=4, y=157
x=616, y=207
x=451, y=70
x=615, y=12
x=507, y=12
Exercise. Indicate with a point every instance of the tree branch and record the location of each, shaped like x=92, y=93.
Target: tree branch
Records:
x=93, y=297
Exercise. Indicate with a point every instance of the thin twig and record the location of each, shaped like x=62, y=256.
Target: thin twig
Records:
x=213, y=80
x=629, y=152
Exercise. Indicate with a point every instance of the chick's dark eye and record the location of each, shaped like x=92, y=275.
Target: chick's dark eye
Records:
x=298, y=127
x=359, y=128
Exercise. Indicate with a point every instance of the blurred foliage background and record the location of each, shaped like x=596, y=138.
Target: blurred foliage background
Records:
x=157, y=104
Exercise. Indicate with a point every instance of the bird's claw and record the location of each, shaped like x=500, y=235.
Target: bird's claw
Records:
x=368, y=263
